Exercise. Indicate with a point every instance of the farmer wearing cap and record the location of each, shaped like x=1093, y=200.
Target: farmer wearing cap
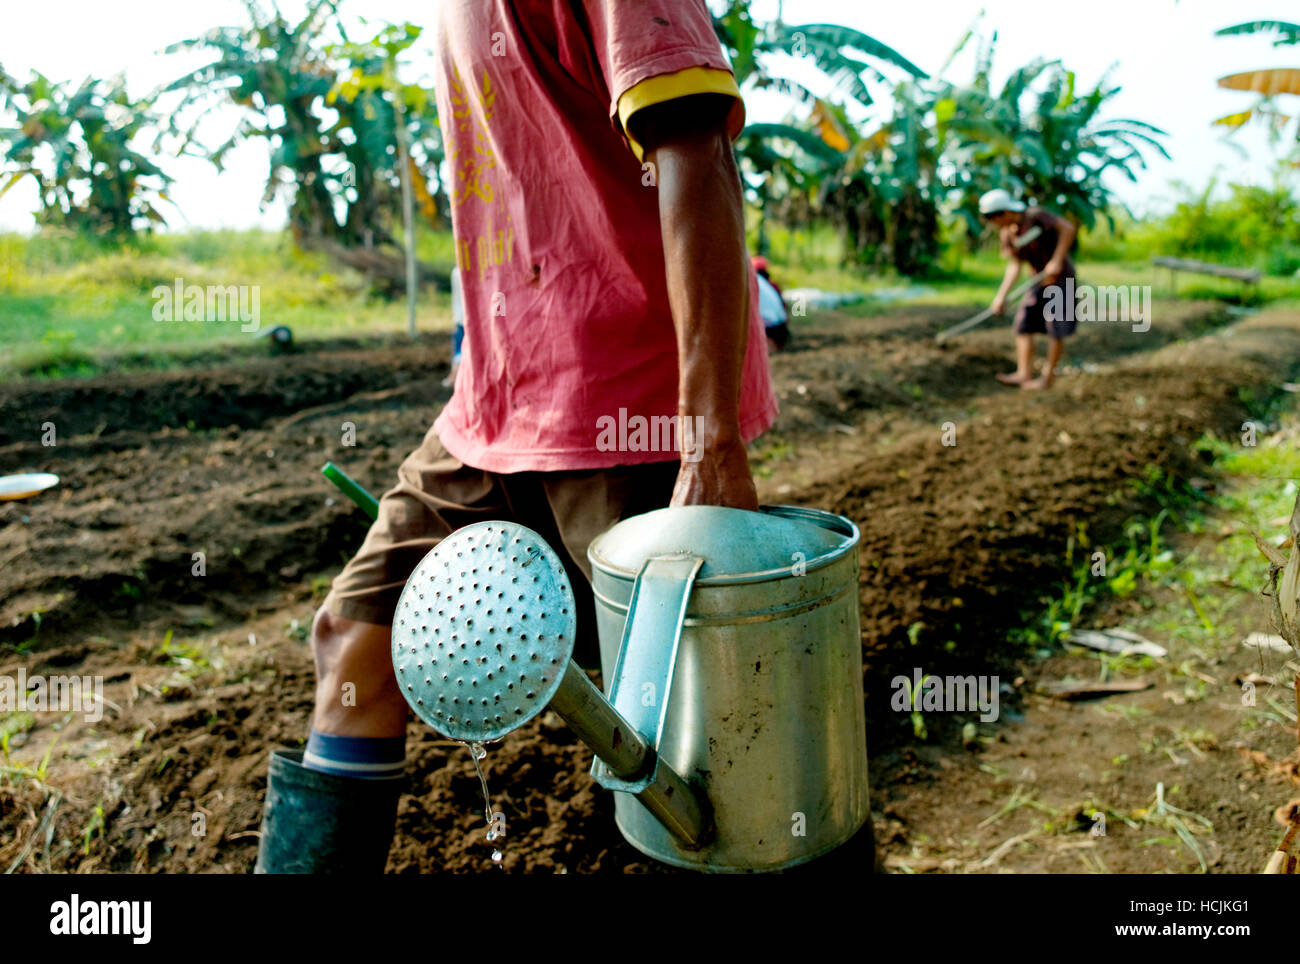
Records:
x=599, y=234
x=1037, y=237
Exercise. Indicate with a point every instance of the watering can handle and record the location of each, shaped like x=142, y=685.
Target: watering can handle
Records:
x=643, y=676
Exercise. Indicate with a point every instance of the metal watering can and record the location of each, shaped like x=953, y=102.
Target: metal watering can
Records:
x=732, y=727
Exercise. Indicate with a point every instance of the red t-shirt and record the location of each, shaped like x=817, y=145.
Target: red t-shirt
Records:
x=557, y=227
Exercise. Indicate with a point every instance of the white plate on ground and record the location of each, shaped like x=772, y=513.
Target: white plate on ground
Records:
x=25, y=486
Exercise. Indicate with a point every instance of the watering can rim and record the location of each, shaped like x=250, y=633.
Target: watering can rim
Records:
x=820, y=518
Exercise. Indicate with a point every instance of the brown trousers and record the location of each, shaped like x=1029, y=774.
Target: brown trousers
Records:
x=437, y=494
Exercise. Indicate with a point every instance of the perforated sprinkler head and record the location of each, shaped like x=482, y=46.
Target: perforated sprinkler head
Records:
x=484, y=631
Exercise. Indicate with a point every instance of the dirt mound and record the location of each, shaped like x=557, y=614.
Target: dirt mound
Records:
x=956, y=538
x=114, y=545
x=959, y=537
x=242, y=396
x=832, y=377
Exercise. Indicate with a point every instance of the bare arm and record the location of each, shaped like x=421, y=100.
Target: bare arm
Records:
x=702, y=218
x=1009, y=278
x=1065, y=234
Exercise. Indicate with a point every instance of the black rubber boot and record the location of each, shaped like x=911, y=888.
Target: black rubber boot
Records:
x=318, y=823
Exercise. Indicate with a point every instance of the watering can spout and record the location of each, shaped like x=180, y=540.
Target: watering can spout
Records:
x=628, y=762
x=641, y=690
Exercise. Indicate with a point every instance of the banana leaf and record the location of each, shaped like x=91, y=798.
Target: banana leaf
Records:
x=1269, y=83
x=1287, y=33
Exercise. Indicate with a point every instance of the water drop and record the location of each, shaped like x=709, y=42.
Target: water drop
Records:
x=495, y=818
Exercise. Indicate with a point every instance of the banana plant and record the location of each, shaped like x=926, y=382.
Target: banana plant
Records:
x=1268, y=83
x=793, y=159
x=333, y=114
x=886, y=196
x=843, y=56
x=278, y=73
x=76, y=145
x=1039, y=137
x=387, y=118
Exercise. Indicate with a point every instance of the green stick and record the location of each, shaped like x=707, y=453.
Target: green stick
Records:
x=366, y=502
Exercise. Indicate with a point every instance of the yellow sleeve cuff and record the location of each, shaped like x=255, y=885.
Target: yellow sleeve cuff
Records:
x=682, y=83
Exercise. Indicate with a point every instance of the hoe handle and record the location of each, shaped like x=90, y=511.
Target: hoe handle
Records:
x=986, y=314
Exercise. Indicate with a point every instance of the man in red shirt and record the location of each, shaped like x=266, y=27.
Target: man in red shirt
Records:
x=600, y=239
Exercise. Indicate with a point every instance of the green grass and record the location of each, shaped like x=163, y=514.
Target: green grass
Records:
x=67, y=302
x=1097, y=572
x=15, y=722
x=70, y=305
x=810, y=257
x=1207, y=583
x=173, y=652
x=975, y=280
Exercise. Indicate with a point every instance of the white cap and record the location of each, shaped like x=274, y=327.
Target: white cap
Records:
x=997, y=200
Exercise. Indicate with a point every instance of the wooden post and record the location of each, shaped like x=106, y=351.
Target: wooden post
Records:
x=408, y=217
x=404, y=172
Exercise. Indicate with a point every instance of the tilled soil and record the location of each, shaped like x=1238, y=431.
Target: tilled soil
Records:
x=958, y=539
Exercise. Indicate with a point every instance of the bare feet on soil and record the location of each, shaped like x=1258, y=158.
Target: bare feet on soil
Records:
x=1013, y=378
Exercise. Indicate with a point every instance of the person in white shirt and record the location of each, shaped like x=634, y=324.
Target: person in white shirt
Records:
x=457, y=326
x=772, y=307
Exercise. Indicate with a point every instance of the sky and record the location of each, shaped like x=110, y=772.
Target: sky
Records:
x=1163, y=53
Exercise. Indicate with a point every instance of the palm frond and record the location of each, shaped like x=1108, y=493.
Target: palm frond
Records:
x=809, y=142
x=1287, y=34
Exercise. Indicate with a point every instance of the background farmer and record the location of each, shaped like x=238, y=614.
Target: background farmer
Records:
x=457, y=326
x=1042, y=240
x=771, y=306
x=600, y=238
